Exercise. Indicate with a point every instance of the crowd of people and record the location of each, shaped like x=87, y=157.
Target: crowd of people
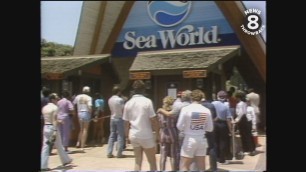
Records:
x=57, y=122
x=186, y=128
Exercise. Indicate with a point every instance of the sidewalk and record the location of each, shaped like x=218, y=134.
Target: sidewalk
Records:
x=94, y=159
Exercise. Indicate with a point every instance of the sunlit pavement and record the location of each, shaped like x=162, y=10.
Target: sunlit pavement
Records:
x=94, y=159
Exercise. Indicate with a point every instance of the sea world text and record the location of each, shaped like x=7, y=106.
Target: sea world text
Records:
x=187, y=35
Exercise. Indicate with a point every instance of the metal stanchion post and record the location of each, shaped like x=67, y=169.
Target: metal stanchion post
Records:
x=233, y=141
x=235, y=160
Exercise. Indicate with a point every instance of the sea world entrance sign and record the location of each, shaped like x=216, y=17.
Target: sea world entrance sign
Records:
x=186, y=35
x=173, y=25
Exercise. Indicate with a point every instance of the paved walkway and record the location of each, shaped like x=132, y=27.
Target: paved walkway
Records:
x=94, y=159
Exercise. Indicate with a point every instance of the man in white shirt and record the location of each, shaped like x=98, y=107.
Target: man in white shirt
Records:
x=116, y=105
x=50, y=134
x=139, y=112
x=244, y=125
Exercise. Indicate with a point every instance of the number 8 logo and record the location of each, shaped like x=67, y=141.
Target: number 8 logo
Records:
x=253, y=22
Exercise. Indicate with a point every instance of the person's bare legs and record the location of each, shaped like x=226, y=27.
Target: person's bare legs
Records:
x=150, y=153
x=185, y=163
x=138, y=158
x=98, y=132
x=200, y=162
x=84, y=134
x=173, y=157
x=94, y=132
x=163, y=156
x=80, y=133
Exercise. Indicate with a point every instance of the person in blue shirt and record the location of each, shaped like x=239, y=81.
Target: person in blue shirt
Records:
x=222, y=123
x=98, y=120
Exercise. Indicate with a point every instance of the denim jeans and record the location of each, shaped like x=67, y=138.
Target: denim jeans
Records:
x=116, y=133
x=48, y=132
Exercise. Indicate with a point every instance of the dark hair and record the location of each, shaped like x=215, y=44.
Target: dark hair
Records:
x=229, y=94
x=116, y=89
x=139, y=86
x=97, y=95
x=65, y=93
x=45, y=91
x=241, y=95
x=232, y=89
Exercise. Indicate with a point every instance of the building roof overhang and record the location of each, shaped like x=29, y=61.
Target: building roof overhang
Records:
x=175, y=61
x=59, y=67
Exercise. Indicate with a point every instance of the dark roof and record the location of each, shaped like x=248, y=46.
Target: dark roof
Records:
x=65, y=65
x=182, y=59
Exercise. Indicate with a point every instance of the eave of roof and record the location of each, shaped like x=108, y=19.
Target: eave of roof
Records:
x=197, y=58
x=66, y=65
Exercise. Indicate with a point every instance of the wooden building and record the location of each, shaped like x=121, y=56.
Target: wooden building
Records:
x=72, y=73
x=197, y=50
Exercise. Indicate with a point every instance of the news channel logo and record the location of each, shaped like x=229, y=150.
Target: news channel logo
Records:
x=252, y=24
x=168, y=13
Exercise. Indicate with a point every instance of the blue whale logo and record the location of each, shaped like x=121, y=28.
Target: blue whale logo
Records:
x=168, y=13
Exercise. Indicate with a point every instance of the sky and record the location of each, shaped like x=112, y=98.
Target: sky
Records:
x=60, y=19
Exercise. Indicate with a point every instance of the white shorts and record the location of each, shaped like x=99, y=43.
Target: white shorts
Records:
x=144, y=143
x=194, y=146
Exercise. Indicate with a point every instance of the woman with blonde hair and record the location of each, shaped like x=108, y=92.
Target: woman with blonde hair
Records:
x=83, y=103
x=168, y=135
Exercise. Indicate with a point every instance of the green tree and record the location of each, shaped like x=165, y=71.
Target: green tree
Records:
x=51, y=49
x=236, y=79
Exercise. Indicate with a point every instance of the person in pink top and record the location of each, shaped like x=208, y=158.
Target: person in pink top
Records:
x=66, y=110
